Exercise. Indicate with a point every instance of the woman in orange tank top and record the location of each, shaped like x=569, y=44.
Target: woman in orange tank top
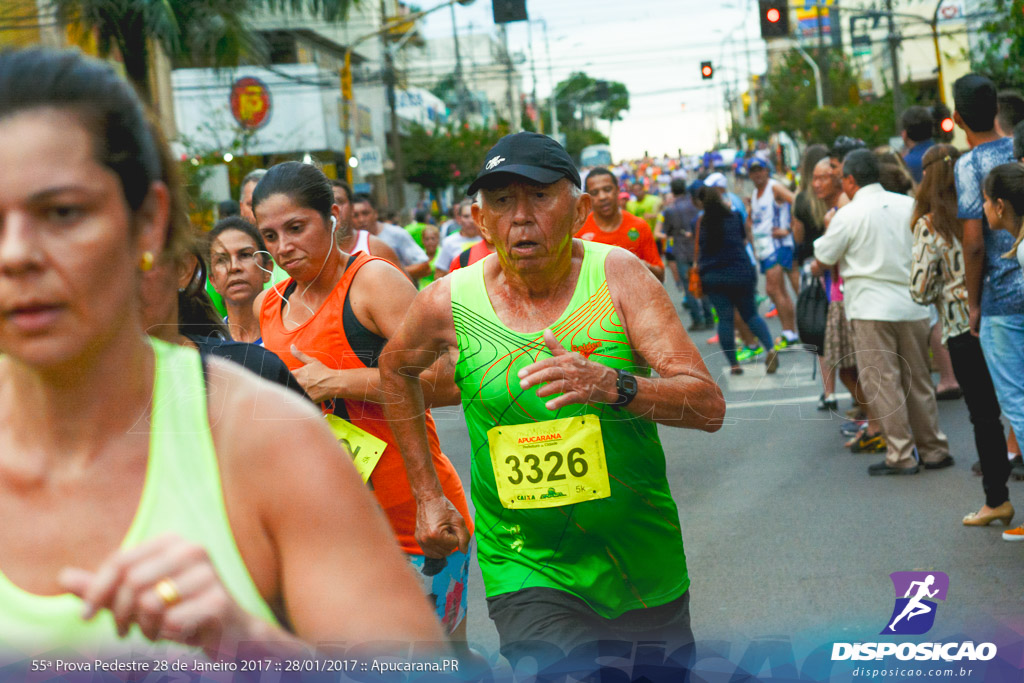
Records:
x=329, y=323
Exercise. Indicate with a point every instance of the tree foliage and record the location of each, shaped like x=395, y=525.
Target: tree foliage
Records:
x=207, y=31
x=447, y=156
x=1001, y=57
x=581, y=94
x=788, y=97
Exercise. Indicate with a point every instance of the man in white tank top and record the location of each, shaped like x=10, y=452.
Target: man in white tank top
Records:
x=773, y=244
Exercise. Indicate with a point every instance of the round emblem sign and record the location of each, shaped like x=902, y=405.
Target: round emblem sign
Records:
x=250, y=102
x=633, y=234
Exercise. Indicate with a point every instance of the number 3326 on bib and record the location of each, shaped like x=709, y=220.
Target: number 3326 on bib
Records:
x=549, y=464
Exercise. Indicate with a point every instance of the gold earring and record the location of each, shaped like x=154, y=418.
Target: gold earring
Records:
x=146, y=262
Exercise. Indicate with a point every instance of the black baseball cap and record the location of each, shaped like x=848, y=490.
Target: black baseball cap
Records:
x=532, y=156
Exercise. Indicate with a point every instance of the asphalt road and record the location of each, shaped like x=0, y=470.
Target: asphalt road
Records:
x=787, y=537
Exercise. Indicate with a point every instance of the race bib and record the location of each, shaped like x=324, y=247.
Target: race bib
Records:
x=549, y=464
x=764, y=245
x=365, y=448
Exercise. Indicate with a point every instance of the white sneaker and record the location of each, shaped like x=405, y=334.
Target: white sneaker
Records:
x=1014, y=534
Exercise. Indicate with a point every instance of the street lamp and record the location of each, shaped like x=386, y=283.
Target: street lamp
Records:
x=348, y=97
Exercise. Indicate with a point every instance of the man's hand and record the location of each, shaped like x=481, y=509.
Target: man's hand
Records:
x=315, y=377
x=817, y=268
x=779, y=233
x=570, y=374
x=440, y=529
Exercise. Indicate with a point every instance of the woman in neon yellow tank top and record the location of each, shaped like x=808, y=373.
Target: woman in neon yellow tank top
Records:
x=139, y=503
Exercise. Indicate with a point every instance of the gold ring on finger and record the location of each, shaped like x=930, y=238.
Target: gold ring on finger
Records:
x=168, y=591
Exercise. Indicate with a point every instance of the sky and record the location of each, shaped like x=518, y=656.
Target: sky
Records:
x=654, y=47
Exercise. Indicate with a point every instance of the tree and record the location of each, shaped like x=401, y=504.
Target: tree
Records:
x=448, y=156
x=583, y=95
x=211, y=31
x=1000, y=58
x=580, y=101
x=789, y=97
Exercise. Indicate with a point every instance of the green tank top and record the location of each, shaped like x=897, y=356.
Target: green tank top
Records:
x=617, y=553
x=181, y=494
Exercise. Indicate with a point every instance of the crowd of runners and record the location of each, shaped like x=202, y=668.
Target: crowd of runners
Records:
x=188, y=502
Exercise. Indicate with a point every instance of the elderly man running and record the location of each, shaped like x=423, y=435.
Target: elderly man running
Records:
x=553, y=341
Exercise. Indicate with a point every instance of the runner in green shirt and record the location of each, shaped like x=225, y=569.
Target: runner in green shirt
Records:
x=646, y=206
x=579, y=538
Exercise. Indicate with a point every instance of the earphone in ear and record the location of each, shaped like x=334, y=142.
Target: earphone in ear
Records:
x=334, y=223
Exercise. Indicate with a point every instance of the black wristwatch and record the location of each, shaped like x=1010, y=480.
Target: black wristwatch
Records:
x=627, y=387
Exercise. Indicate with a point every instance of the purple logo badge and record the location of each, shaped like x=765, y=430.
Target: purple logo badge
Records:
x=914, y=611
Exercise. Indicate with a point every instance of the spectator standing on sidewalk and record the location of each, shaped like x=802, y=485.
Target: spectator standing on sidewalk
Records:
x=870, y=240
x=937, y=277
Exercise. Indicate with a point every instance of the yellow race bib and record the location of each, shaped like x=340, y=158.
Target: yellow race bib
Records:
x=549, y=464
x=364, y=447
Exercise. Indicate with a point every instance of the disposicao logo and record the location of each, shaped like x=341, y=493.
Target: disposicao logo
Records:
x=914, y=614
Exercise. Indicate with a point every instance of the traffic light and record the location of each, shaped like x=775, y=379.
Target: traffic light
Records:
x=947, y=125
x=507, y=11
x=774, y=18
x=707, y=71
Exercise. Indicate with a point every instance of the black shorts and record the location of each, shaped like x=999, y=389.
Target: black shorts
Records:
x=551, y=625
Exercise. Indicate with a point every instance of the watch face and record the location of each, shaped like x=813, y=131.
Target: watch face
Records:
x=629, y=384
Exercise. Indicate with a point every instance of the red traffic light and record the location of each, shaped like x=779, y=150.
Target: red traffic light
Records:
x=706, y=71
x=773, y=15
x=946, y=125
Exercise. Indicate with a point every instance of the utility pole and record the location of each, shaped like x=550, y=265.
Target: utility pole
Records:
x=533, y=74
x=823, y=56
x=460, y=84
x=751, y=86
x=513, y=124
x=894, y=44
x=551, y=77
x=395, y=139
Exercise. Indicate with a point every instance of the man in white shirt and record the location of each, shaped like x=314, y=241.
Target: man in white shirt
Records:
x=452, y=245
x=870, y=240
x=412, y=257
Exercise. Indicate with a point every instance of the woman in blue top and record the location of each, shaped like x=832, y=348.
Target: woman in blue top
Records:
x=728, y=276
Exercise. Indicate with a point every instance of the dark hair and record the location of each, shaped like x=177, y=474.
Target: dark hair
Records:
x=974, y=97
x=1018, y=141
x=1010, y=108
x=335, y=182
x=713, y=221
x=917, y=122
x=1006, y=182
x=124, y=137
x=937, y=193
x=678, y=186
x=305, y=185
x=600, y=171
x=243, y=226
x=197, y=316
x=862, y=164
x=843, y=146
x=893, y=174
x=363, y=197
x=226, y=208
x=422, y=215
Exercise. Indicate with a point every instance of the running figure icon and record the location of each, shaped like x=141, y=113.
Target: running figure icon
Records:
x=915, y=607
